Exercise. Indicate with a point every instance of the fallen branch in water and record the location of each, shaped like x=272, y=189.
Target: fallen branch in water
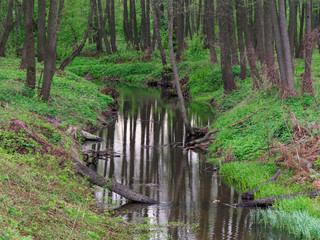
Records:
x=250, y=194
x=268, y=201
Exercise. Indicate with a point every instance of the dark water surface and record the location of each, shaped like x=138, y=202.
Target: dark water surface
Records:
x=148, y=135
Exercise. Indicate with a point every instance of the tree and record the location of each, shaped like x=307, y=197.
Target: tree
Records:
x=28, y=6
x=225, y=46
x=9, y=26
x=53, y=28
x=41, y=34
x=175, y=72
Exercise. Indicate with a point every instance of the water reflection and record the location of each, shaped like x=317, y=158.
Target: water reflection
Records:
x=148, y=134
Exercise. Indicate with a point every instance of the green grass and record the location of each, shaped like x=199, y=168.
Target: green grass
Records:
x=73, y=99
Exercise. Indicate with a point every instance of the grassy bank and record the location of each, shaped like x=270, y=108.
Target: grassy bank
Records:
x=41, y=197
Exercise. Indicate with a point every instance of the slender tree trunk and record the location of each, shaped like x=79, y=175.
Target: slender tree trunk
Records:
x=148, y=32
x=53, y=28
x=41, y=35
x=278, y=42
x=98, y=33
x=251, y=55
x=292, y=28
x=156, y=22
x=9, y=25
x=102, y=22
x=143, y=26
x=243, y=61
x=234, y=48
x=112, y=26
x=211, y=32
x=80, y=47
x=307, y=85
x=289, y=88
x=180, y=28
x=126, y=26
x=199, y=16
x=133, y=21
x=299, y=52
x=175, y=72
x=260, y=32
x=272, y=69
x=225, y=46
x=29, y=43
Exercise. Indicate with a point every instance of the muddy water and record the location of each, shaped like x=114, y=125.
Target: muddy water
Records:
x=149, y=135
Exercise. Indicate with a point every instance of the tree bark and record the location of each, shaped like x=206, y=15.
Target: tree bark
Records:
x=259, y=23
x=292, y=28
x=307, y=84
x=156, y=22
x=179, y=4
x=112, y=24
x=29, y=43
x=102, y=22
x=272, y=69
x=299, y=49
x=225, y=48
x=41, y=34
x=175, y=72
x=133, y=21
x=54, y=20
x=289, y=88
x=243, y=61
x=9, y=25
x=211, y=32
x=126, y=26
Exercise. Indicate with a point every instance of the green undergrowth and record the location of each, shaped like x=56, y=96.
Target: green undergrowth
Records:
x=73, y=99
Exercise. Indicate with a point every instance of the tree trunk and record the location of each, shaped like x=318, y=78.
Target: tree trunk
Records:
x=156, y=22
x=102, y=21
x=225, y=47
x=112, y=26
x=307, y=85
x=289, y=88
x=232, y=36
x=133, y=21
x=148, y=33
x=175, y=72
x=8, y=28
x=80, y=47
x=279, y=48
x=252, y=58
x=126, y=26
x=29, y=43
x=211, y=32
x=272, y=69
x=180, y=28
x=243, y=61
x=292, y=29
x=54, y=20
x=41, y=34
x=259, y=24
x=97, y=29
x=143, y=26
x=299, y=52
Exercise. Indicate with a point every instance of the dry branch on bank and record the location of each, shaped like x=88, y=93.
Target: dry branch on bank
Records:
x=48, y=148
x=268, y=201
x=250, y=194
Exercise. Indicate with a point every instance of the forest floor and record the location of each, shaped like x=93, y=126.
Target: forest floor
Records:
x=259, y=133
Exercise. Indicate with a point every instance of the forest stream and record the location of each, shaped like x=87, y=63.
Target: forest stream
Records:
x=147, y=138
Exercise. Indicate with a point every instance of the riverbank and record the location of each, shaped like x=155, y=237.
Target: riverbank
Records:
x=41, y=196
x=259, y=131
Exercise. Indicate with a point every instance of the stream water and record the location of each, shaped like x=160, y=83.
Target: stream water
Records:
x=148, y=135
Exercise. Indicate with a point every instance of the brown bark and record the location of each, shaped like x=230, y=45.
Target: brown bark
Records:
x=133, y=21
x=155, y=7
x=143, y=27
x=278, y=42
x=80, y=47
x=251, y=56
x=272, y=69
x=289, y=87
x=292, y=28
x=211, y=32
x=97, y=29
x=53, y=28
x=9, y=25
x=299, y=49
x=175, y=72
x=259, y=24
x=243, y=61
x=307, y=85
x=41, y=34
x=126, y=26
x=102, y=22
x=232, y=37
x=225, y=48
x=28, y=6
x=179, y=5
x=111, y=24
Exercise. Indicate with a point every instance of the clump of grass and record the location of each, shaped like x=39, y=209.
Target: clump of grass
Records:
x=298, y=223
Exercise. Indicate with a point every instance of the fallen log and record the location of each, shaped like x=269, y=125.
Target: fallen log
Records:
x=250, y=194
x=207, y=137
x=268, y=201
x=112, y=185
